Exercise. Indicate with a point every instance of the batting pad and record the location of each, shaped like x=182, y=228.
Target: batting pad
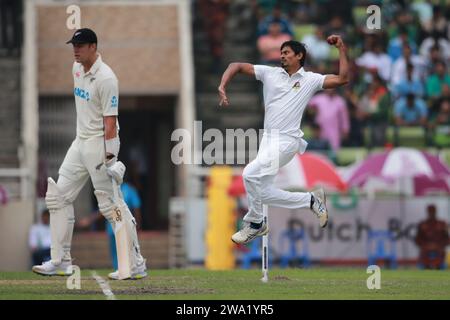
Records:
x=123, y=229
x=124, y=226
x=62, y=220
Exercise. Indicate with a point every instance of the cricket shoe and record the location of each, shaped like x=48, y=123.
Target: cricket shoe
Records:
x=137, y=273
x=49, y=269
x=247, y=234
x=319, y=206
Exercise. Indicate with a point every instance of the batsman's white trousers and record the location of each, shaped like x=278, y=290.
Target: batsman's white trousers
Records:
x=84, y=159
x=80, y=163
x=274, y=152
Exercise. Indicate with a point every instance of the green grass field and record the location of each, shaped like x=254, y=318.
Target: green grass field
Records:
x=286, y=284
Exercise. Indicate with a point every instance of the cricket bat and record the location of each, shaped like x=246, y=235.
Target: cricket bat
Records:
x=123, y=245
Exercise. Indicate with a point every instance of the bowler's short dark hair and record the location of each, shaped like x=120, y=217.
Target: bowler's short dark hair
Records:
x=297, y=47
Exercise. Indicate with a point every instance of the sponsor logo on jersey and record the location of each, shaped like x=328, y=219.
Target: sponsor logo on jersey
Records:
x=114, y=102
x=83, y=94
x=296, y=85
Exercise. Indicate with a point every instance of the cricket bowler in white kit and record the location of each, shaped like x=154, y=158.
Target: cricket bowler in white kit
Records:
x=287, y=91
x=92, y=154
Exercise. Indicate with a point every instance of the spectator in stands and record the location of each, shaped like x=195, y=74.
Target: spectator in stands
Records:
x=215, y=15
x=318, y=48
x=436, y=39
x=318, y=144
x=276, y=16
x=395, y=46
x=332, y=117
x=410, y=111
x=434, y=104
x=436, y=82
x=399, y=67
x=328, y=10
x=432, y=238
x=375, y=60
x=439, y=22
x=269, y=45
x=40, y=239
x=424, y=11
x=434, y=57
x=404, y=19
x=440, y=124
x=374, y=107
x=264, y=8
x=409, y=84
x=356, y=134
x=337, y=26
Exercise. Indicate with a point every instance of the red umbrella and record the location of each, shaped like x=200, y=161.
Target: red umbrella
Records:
x=304, y=171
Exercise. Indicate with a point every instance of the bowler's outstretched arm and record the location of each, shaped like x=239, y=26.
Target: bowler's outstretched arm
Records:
x=230, y=72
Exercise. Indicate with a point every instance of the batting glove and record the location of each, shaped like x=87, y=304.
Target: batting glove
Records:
x=116, y=170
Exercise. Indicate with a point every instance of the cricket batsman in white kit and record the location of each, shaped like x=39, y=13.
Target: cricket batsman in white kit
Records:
x=287, y=91
x=92, y=154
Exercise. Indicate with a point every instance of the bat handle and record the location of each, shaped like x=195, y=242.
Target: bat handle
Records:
x=115, y=188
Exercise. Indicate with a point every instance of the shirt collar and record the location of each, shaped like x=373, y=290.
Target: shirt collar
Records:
x=300, y=71
x=94, y=68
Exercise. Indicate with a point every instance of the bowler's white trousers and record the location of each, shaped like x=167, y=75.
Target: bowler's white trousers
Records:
x=274, y=152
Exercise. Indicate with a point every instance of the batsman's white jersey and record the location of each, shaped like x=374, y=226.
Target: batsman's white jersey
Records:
x=96, y=96
x=285, y=99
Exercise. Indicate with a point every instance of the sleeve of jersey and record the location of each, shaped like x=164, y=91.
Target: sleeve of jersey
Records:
x=109, y=97
x=261, y=71
x=318, y=80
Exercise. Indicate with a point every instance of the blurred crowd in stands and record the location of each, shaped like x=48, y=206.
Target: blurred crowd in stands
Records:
x=399, y=73
x=400, y=82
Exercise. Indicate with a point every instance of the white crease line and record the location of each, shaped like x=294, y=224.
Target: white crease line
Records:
x=104, y=286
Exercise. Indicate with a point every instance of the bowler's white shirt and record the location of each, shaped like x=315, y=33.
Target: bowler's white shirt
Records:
x=96, y=96
x=286, y=97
